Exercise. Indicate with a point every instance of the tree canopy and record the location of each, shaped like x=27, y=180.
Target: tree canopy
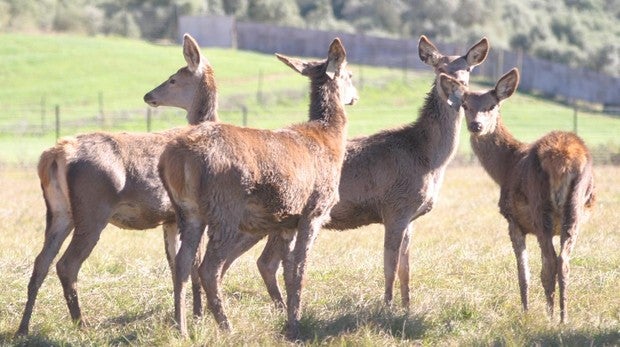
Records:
x=575, y=32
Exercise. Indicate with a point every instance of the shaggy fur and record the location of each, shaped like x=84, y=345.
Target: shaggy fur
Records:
x=94, y=179
x=259, y=181
x=547, y=186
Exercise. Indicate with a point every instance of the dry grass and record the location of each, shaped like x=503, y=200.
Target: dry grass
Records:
x=463, y=280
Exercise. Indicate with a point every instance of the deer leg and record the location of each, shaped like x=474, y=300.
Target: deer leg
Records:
x=403, y=267
x=549, y=269
x=211, y=270
x=243, y=242
x=191, y=229
x=268, y=264
x=82, y=243
x=172, y=243
x=393, y=239
x=306, y=234
x=518, y=246
x=570, y=229
x=58, y=227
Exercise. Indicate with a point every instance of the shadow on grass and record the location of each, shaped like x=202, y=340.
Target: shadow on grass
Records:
x=402, y=326
x=7, y=338
x=606, y=337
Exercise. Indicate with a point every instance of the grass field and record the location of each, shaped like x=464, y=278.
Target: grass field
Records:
x=71, y=71
x=463, y=280
x=463, y=272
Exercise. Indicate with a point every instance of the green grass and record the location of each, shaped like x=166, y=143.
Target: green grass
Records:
x=463, y=281
x=72, y=71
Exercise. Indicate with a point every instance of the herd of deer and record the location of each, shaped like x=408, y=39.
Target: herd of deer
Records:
x=242, y=184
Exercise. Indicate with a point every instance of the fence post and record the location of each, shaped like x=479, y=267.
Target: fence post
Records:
x=57, y=112
x=259, y=91
x=148, y=120
x=244, y=119
x=101, y=116
x=43, y=115
x=575, y=117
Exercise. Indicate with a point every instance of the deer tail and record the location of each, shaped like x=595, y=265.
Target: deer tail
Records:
x=52, y=170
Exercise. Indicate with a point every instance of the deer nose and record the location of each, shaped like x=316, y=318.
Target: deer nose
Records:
x=149, y=99
x=475, y=127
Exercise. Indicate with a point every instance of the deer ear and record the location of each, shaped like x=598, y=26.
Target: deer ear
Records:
x=192, y=55
x=335, y=58
x=429, y=54
x=294, y=63
x=452, y=90
x=507, y=84
x=478, y=52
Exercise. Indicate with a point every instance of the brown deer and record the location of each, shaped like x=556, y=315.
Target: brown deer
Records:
x=94, y=179
x=546, y=187
x=393, y=177
x=260, y=181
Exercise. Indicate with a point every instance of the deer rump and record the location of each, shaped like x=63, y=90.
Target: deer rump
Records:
x=261, y=177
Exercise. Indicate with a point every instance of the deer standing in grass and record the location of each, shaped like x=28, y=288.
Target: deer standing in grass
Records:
x=282, y=182
x=94, y=179
x=546, y=187
x=393, y=177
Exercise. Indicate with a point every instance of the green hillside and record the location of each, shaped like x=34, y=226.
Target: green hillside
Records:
x=105, y=77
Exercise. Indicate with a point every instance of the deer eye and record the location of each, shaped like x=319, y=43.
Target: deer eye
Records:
x=173, y=81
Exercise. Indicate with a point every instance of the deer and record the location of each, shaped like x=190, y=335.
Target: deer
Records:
x=95, y=179
x=546, y=187
x=241, y=181
x=393, y=177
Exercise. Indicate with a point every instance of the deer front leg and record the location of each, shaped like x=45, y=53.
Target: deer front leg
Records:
x=403, y=267
x=518, y=246
x=268, y=264
x=549, y=270
x=393, y=240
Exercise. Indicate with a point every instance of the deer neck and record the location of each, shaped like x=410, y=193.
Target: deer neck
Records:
x=205, y=103
x=440, y=125
x=326, y=107
x=498, y=152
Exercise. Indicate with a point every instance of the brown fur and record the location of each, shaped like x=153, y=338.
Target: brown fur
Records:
x=393, y=177
x=94, y=179
x=546, y=187
x=259, y=181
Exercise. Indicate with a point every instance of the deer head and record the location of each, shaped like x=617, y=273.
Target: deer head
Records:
x=179, y=89
x=481, y=108
x=333, y=68
x=458, y=67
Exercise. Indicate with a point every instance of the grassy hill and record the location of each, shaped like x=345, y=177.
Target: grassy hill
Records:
x=98, y=83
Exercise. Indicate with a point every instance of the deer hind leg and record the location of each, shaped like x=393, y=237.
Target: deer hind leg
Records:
x=172, y=244
x=403, y=267
x=393, y=240
x=84, y=239
x=570, y=229
x=518, y=246
x=212, y=267
x=268, y=264
x=191, y=229
x=58, y=226
x=308, y=229
x=549, y=269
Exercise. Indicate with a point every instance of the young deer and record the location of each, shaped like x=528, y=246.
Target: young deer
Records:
x=547, y=186
x=94, y=179
x=393, y=177
x=260, y=181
